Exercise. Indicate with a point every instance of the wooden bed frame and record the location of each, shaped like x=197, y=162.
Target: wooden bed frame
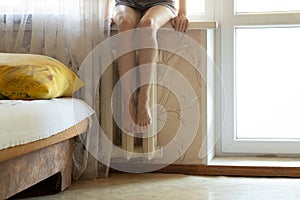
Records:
x=26, y=165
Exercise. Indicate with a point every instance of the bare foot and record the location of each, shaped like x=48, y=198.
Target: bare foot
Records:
x=143, y=117
x=129, y=116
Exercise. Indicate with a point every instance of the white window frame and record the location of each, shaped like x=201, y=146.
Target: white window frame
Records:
x=228, y=144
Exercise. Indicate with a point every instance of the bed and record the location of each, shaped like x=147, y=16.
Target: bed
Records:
x=36, y=139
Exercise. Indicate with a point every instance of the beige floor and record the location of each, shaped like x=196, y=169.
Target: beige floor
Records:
x=166, y=186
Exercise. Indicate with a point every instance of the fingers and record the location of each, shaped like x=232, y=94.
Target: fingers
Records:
x=186, y=25
x=112, y=21
x=173, y=23
x=180, y=23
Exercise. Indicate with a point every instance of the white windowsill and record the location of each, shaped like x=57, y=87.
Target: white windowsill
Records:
x=198, y=25
x=194, y=25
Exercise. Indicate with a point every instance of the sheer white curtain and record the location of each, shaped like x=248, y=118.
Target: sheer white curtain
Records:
x=66, y=30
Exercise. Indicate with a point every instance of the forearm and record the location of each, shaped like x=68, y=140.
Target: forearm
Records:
x=180, y=22
x=182, y=7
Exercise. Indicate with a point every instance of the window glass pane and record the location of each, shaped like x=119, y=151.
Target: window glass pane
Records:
x=16, y=6
x=28, y=6
x=249, y=6
x=267, y=83
x=195, y=7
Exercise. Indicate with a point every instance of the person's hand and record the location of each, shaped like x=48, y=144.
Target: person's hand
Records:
x=180, y=23
x=112, y=21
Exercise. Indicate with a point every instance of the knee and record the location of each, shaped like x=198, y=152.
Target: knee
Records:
x=147, y=23
x=125, y=23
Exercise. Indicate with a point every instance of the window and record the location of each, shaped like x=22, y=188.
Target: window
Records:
x=195, y=8
x=267, y=83
x=29, y=6
x=199, y=9
x=260, y=67
x=264, y=6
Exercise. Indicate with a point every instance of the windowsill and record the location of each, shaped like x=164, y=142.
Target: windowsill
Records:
x=194, y=25
x=255, y=162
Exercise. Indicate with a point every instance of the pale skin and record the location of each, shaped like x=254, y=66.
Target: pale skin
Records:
x=127, y=19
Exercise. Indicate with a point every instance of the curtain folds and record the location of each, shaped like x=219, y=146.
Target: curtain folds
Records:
x=67, y=30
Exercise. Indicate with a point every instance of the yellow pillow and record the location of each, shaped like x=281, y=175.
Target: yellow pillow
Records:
x=28, y=76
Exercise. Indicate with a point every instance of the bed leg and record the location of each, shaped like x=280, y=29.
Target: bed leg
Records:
x=65, y=174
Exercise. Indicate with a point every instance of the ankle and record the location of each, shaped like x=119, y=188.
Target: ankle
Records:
x=144, y=93
x=143, y=100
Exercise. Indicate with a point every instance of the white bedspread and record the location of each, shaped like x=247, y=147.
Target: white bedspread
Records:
x=22, y=122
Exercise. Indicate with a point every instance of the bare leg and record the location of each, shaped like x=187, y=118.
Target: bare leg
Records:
x=126, y=19
x=153, y=19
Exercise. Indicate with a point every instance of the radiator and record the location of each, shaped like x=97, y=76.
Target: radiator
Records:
x=155, y=148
